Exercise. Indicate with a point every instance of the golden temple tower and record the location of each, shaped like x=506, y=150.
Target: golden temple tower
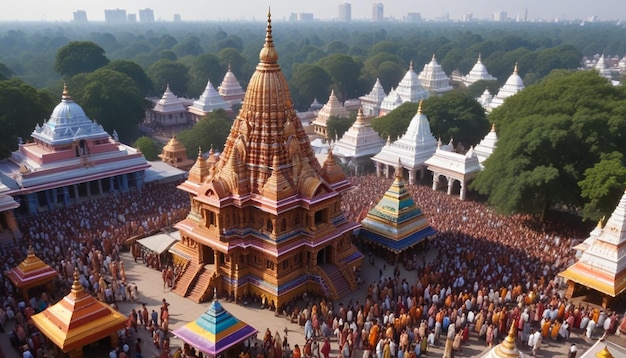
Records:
x=266, y=218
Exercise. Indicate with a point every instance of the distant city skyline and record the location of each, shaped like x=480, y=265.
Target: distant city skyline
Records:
x=40, y=10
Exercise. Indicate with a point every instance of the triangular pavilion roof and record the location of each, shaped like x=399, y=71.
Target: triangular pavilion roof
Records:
x=433, y=78
x=360, y=140
x=215, y=331
x=78, y=319
x=396, y=223
x=602, y=266
x=31, y=272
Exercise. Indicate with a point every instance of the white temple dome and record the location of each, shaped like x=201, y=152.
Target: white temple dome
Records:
x=67, y=111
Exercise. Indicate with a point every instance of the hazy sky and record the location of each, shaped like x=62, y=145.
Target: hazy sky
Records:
x=198, y=10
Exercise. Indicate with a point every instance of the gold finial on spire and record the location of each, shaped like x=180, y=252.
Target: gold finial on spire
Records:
x=601, y=223
x=480, y=57
x=359, y=115
x=493, y=126
x=229, y=70
x=214, y=293
x=411, y=65
x=509, y=341
x=200, y=152
x=268, y=53
x=66, y=94
x=434, y=58
x=399, y=169
x=76, y=285
x=419, y=106
x=31, y=252
x=515, y=68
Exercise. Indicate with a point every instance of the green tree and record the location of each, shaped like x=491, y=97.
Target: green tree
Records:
x=79, y=56
x=477, y=88
x=456, y=115
x=549, y=134
x=211, y=131
x=231, y=57
x=112, y=99
x=205, y=67
x=134, y=71
x=337, y=126
x=345, y=73
x=21, y=108
x=149, y=147
x=394, y=124
x=309, y=82
x=603, y=186
x=5, y=72
x=164, y=72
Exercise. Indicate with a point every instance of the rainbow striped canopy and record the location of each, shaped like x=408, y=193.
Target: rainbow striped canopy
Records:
x=215, y=331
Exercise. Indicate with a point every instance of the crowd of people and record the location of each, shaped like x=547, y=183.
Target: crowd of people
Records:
x=87, y=237
x=488, y=273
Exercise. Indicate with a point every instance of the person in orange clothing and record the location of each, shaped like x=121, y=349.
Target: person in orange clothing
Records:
x=545, y=329
x=296, y=352
x=373, y=338
x=555, y=330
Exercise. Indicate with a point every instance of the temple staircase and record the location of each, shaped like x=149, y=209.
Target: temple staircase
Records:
x=200, y=287
x=183, y=284
x=337, y=282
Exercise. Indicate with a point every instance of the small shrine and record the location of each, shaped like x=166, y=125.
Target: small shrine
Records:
x=454, y=168
x=371, y=102
x=433, y=78
x=602, y=68
x=216, y=332
x=485, y=99
x=358, y=144
x=209, y=101
x=602, y=266
x=230, y=89
x=478, y=73
x=513, y=85
x=408, y=90
x=31, y=274
x=413, y=148
x=168, y=111
x=78, y=320
x=333, y=108
x=487, y=145
x=175, y=154
x=396, y=223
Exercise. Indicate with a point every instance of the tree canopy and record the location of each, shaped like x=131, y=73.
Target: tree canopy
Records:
x=394, y=124
x=174, y=74
x=456, y=115
x=79, y=57
x=149, y=147
x=134, y=71
x=310, y=82
x=549, y=135
x=210, y=132
x=21, y=108
x=112, y=99
x=337, y=126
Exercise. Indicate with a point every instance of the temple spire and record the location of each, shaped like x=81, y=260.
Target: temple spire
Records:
x=419, y=107
x=515, y=68
x=411, y=65
x=268, y=52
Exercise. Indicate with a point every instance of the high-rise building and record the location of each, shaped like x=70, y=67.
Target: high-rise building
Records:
x=177, y=18
x=413, y=17
x=132, y=18
x=80, y=17
x=305, y=16
x=115, y=16
x=345, y=12
x=146, y=15
x=378, y=12
x=500, y=16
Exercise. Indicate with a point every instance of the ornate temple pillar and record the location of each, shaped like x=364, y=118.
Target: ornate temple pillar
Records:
x=450, y=184
x=216, y=259
x=125, y=182
x=422, y=170
x=435, y=180
x=462, y=193
x=33, y=203
x=99, y=186
x=88, y=190
x=411, y=176
x=49, y=202
x=66, y=196
x=387, y=173
x=377, y=169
